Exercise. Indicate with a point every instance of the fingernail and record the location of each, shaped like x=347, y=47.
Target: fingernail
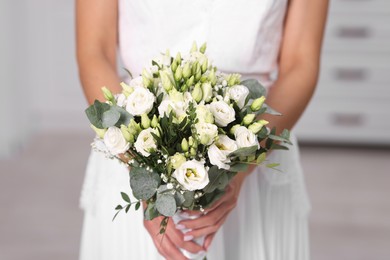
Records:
x=180, y=226
x=188, y=238
x=202, y=252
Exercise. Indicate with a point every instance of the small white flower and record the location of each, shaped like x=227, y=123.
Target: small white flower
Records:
x=145, y=143
x=238, y=93
x=245, y=137
x=219, y=151
x=115, y=142
x=192, y=175
x=223, y=113
x=207, y=132
x=140, y=102
x=204, y=114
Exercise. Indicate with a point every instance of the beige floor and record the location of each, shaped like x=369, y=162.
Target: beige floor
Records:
x=40, y=219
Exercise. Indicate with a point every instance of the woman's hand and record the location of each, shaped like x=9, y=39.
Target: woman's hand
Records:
x=209, y=223
x=167, y=244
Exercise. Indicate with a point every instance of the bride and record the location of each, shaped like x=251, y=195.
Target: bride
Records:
x=276, y=41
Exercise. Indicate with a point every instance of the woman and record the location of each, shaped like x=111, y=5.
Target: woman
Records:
x=268, y=217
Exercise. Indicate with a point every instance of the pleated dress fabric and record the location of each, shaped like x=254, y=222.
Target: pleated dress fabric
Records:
x=243, y=36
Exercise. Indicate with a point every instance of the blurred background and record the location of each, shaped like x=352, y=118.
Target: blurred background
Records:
x=44, y=141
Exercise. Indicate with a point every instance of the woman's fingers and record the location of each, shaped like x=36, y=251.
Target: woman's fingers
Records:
x=177, y=237
x=167, y=248
x=205, y=231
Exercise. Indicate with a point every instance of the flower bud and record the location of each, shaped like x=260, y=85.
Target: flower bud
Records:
x=233, y=79
x=202, y=48
x=145, y=121
x=194, y=47
x=107, y=94
x=127, y=90
x=154, y=122
x=166, y=81
x=98, y=131
x=191, y=141
x=147, y=79
x=184, y=145
x=204, y=66
x=256, y=127
x=204, y=139
x=125, y=133
x=207, y=91
x=193, y=151
x=178, y=58
x=257, y=103
x=197, y=93
x=190, y=81
x=248, y=119
x=174, y=66
x=209, y=118
x=187, y=70
x=212, y=77
x=198, y=75
x=195, y=67
x=177, y=160
x=178, y=74
x=234, y=128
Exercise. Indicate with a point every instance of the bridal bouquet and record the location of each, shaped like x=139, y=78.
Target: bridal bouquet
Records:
x=185, y=129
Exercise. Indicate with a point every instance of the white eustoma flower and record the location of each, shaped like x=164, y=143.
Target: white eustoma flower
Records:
x=223, y=113
x=140, y=101
x=145, y=143
x=207, y=132
x=203, y=114
x=218, y=152
x=192, y=175
x=245, y=137
x=115, y=141
x=238, y=93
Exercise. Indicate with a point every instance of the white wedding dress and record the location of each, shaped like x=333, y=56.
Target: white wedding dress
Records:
x=270, y=220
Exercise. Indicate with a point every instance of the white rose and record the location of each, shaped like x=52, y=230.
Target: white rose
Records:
x=219, y=151
x=245, y=137
x=207, y=132
x=115, y=142
x=140, y=102
x=145, y=143
x=192, y=175
x=223, y=113
x=238, y=93
x=203, y=114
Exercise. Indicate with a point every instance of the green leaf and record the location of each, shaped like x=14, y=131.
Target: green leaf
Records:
x=239, y=167
x=151, y=211
x=119, y=207
x=144, y=183
x=137, y=205
x=189, y=199
x=95, y=113
x=124, y=118
x=256, y=90
x=279, y=138
x=218, y=179
x=179, y=199
x=125, y=197
x=272, y=165
x=261, y=158
x=245, y=151
x=127, y=208
x=166, y=204
x=271, y=111
x=110, y=118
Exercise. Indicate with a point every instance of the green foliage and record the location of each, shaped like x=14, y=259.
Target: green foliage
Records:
x=166, y=204
x=103, y=115
x=256, y=90
x=95, y=113
x=218, y=179
x=144, y=183
x=245, y=151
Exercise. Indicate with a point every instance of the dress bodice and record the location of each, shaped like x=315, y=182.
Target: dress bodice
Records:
x=242, y=36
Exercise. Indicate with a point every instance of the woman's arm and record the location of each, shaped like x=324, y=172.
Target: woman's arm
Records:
x=97, y=34
x=299, y=66
x=299, y=61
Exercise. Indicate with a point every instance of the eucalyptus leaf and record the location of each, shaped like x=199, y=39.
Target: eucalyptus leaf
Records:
x=239, y=167
x=110, y=118
x=256, y=90
x=245, y=151
x=179, y=199
x=144, y=183
x=279, y=138
x=261, y=158
x=125, y=197
x=124, y=118
x=271, y=111
x=95, y=113
x=166, y=204
x=189, y=199
x=151, y=211
x=218, y=179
